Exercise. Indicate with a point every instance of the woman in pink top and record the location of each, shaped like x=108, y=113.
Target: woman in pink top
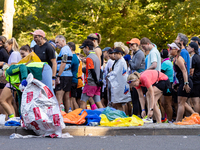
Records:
x=156, y=82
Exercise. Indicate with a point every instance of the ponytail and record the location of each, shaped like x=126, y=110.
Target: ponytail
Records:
x=15, y=46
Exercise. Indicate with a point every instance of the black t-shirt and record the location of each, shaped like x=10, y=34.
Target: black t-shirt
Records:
x=45, y=52
x=3, y=55
x=196, y=66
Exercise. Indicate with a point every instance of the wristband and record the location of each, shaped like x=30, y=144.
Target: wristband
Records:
x=58, y=76
x=53, y=77
x=143, y=109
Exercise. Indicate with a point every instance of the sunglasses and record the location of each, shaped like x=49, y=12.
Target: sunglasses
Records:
x=129, y=82
x=171, y=48
x=131, y=44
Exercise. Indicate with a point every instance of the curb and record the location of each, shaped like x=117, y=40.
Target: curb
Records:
x=147, y=129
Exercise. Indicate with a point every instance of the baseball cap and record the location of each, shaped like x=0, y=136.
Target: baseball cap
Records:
x=194, y=45
x=173, y=45
x=134, y=40
x=106, y=49
x=38, y=32
x=164, y=53
x=195, y=39
x=110, y=51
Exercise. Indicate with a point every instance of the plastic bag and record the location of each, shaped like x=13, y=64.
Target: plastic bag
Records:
x=113, y=114
x=2, y=118
x=121, y=122
x=93, y=116
x=193, y=119
x=74, y=117
x=40, y=110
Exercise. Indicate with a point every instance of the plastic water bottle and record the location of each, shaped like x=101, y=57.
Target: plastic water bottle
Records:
x=93, y=124
x=70, y=110
x=62, y=107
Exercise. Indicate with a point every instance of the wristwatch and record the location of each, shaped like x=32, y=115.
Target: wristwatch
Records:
x=151, y=109
x=186, y=83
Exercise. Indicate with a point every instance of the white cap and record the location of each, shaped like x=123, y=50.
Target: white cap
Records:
x=173, y=45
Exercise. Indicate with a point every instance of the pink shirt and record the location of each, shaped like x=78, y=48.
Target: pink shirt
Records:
x=149, y=77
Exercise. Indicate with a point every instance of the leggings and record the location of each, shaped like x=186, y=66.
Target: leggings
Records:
x=135, y=102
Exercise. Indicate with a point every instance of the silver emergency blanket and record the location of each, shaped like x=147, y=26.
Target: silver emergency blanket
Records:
x=120, y=91
x=40, y=110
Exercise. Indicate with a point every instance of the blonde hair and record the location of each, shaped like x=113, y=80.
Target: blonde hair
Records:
x=134, y=76
x=96, y=36
x=13, y=41
x=124, y=47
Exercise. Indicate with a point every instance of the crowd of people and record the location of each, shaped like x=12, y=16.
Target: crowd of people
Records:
x=134, y=77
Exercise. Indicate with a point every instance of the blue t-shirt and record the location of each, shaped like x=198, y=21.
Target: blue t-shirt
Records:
x=184, y=53
x=167, y=68
x=75, y=65
x=146, y=61
x=65, y=51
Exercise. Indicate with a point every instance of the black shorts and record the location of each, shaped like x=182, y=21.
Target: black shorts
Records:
x=168, y=92
x=73, y=90
x=79, y=92
x=182, y=92
x=65, y=84
x=195, y=91
x=163, y=85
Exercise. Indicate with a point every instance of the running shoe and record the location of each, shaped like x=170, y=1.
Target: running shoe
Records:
x=165, y=120
x=147, y=120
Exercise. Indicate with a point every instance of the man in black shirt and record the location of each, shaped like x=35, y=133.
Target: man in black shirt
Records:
x=195, y=73
x=45, y=51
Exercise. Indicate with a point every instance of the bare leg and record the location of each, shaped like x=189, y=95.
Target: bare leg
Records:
x=189, y=108
x=181, y=107
x=83, y=104
x=195, y=101
x=6, y=99
x=67, y=101
x=78, y=101
x=156, y=110
x=118, y=106
x=167, y=104
x=59, y=96
x=74, y=103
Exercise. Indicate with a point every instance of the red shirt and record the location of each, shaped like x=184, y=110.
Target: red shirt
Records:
x=149, y=77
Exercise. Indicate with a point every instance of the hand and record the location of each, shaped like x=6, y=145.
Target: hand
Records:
x=143, y=114
x=57, y=80
x=186, y=88
x=150, y=113
x=53, y=83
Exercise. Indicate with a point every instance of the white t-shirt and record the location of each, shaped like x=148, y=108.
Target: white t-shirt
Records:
x=154, y=56
x=15, y=57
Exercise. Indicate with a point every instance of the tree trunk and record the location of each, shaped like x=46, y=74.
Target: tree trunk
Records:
x=9, y=11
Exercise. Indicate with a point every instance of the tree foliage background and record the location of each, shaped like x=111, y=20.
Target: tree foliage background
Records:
x=115, y=20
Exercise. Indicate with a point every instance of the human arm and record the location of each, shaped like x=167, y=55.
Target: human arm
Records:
x=61, y=69
x=98, y=53
x=142, y=101
x=153, y=66
x=180, y=63
x=136, y=61
x=54, y=69
x=150, y=100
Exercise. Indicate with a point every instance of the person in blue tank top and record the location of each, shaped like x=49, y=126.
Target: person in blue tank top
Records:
x=183, y=40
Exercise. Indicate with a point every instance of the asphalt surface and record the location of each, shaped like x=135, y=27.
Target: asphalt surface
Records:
x=103, y=143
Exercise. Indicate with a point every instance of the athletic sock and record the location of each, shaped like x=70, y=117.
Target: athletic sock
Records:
x=11, y=116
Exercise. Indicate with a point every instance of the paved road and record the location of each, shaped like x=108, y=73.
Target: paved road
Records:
x=103, y=143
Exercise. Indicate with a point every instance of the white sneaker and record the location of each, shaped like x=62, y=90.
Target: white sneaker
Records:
x=147, y=120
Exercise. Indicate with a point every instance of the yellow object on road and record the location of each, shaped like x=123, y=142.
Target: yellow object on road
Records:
x=121, y=122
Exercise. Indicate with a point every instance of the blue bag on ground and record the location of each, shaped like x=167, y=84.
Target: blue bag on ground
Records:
x=113, y=114
x=93, y=116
